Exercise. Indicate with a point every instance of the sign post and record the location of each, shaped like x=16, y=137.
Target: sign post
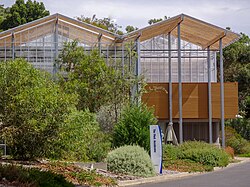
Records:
x=156, y=147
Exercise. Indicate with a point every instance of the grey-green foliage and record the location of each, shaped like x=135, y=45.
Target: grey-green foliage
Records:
x=133, y=127
x=81, y=138
x=130, y=160
x=32, y=107
x=203, y=153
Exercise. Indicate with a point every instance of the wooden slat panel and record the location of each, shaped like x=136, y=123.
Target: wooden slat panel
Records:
x=195, y=100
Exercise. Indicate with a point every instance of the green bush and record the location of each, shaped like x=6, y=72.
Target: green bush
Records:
x=241, y=125
x=131, y=160
x=81, y=138
x=32, y=107
x=204, y=153
x=170, y=152
x=133, y=127
x=32, y=177
x=235, y=140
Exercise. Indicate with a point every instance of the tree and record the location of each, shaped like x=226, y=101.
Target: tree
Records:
x=237, y=67
x=2, y=15
x=155, y=20
x=32, y=108
x=104, y=23
x=102, y=86
x=21, y=13
x=130, y=28
x=133, y=127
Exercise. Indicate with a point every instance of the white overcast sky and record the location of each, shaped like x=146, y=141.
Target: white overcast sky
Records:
x=223, y=13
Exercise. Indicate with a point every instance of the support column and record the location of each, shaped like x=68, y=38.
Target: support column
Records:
x=180, y=84
x=99, y=44
x=55, y=47
x=170, y=80
x=138, y=65
x=123, y=59
x=13, y=45
x=222, y=96
x=217, y=142
x=209, y=96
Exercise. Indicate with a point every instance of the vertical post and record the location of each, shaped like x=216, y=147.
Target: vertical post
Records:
x=13, y=45
x=222, y=96
x=122, y=59
x=180, y=84
x=209, y=96
x=5, y=51
x=138, y=65
x=170, y=80
x=99, y=44
x=55, y=47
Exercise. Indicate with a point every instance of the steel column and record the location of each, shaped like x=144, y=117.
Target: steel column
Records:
x=99, y=44
x=222, y=96
x=56, y=47
x=170, y=80
x=180, y=84
x=209, y=96
x=122, y=59
x=13, y=45
x=138, y=66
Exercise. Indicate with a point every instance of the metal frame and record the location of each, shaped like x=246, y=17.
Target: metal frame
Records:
x=222, y=96
x=180, y=84
x=209, y=96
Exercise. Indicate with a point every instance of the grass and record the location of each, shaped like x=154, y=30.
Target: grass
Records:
x=244, y=155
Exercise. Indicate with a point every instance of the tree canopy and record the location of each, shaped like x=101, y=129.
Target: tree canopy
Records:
x=21, y=13
x=32, y=107
x=104, y=23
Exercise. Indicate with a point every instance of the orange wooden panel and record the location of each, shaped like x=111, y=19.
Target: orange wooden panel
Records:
x=194, y=100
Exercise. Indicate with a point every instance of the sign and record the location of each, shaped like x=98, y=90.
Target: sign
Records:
x=156, y=147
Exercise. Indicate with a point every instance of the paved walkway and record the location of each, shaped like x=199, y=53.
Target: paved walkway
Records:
x=235, y=175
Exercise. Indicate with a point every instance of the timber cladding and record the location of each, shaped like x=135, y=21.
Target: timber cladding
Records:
x=194, y=100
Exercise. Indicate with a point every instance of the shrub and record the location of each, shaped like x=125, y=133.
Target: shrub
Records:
x=241, y=125
x=230, y=151
x=81, y=138
x=235, y=140
x=133, y=127
x=204, y=153
x=170, y=152
x=32, y=107
x=32, y=177
x=185, y=165
x=131, y=160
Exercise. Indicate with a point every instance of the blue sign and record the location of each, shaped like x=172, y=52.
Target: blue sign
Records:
x=156, y=147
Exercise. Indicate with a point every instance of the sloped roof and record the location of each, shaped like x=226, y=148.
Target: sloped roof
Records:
x=89, y=29
x=192, y=30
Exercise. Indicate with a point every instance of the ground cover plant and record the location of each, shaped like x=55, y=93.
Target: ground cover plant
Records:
x=79, y=175
x=130, y=160
x=194, y=156
x=20, y=176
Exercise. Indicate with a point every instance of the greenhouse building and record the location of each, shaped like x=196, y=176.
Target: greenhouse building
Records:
x=176, y=56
